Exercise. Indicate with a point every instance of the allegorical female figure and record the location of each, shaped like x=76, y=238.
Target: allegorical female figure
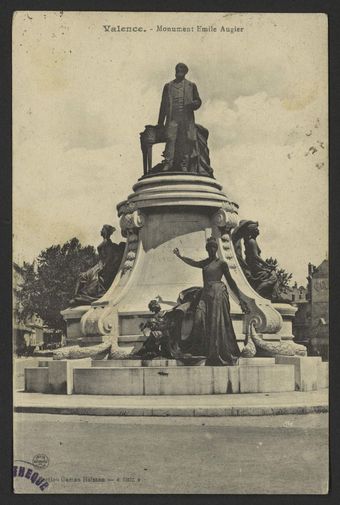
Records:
x=212, y=334
x=260, y=275
x=94, y=283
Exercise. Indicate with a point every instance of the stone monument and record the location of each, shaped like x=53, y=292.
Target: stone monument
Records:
x=149, y=331
x=176, y=203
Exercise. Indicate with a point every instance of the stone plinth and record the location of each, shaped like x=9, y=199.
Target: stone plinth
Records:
x=131, y=363
x=108, y=381
x=171, y=211
x=267, y=379
x=155, y=380
x=306, y=370
x=185, y=380
x=159, y=362
x=72, y=317
x=199, y=362
x=256, y=361
x=55, y=376
x=287, y=312
x=165, y=377
x=60, y=374
x=36, y=380
x=116, y=363
x=233, y=379
x=44, y=363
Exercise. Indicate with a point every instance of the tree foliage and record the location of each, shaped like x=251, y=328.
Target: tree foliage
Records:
x=283, y=276
x=45, y=286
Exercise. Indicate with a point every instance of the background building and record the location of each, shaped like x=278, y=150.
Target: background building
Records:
x=298, y=296
x=318, y=292
x=311, y=322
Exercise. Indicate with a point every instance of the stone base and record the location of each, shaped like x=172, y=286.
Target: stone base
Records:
x=132, y=363
x=171, y=377
x=306, y=370
x=55, y=376
x=60, y=374
x=266, y=379
x=36, y=380
x=156, y=380
x=256, y=361
x=116, y=363
x=184, y=380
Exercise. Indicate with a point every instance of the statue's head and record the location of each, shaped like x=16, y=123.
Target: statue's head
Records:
x=154, y=306
x=211, y=246
x=245, y=229
x=107, y=231
x=253, y=229
x=181, y=70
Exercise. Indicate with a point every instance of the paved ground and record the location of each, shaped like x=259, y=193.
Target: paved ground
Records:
x=250, y=404
x=272, y=454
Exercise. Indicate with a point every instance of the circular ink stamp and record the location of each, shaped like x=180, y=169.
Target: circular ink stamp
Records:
x=40, y=461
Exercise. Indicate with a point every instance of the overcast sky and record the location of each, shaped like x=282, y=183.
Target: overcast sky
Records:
x=82, y=95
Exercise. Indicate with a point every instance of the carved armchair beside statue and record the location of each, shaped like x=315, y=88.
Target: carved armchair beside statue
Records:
x=199, y=162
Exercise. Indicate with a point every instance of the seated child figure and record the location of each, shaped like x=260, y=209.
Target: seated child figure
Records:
x=156, y=329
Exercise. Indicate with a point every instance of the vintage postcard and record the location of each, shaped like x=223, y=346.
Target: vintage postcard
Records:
x=170, y=189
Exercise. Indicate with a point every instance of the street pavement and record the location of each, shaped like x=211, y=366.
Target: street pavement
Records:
x=242, y=455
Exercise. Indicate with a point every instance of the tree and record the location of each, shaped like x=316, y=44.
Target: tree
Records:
x=45, y=286
x=283, y=276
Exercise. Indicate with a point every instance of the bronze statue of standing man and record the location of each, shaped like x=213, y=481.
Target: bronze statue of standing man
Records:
x=179, y=101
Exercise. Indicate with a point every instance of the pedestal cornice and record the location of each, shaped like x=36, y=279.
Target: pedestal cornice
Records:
x=176, y=190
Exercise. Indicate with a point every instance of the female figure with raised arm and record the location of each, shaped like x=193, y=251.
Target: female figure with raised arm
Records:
x=213, y=334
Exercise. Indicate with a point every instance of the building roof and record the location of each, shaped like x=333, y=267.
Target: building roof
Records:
x=321, y=270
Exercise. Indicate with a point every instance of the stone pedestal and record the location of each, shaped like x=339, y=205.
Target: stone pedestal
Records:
x=287, y=313
x=164, y=212
x=72, y=317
